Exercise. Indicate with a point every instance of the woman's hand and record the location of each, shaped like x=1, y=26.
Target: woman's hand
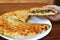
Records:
x=55, y=17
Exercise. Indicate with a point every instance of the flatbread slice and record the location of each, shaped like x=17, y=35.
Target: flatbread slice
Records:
x=42, y=11
x=21, y=15
x=15, y=28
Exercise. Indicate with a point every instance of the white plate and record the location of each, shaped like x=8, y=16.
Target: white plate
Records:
x=39, y=36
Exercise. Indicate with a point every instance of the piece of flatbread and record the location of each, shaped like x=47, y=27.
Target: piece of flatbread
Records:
x=42, y=11
x=16, y=29
x=18, y=14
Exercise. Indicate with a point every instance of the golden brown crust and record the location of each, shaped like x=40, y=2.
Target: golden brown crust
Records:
x=18, y=14
x=43, y=11
x=26, y=29
x=11, y=26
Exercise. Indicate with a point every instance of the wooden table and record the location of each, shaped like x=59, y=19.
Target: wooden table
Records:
x=55, y=32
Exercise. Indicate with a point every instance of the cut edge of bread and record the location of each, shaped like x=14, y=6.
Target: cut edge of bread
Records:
x=40, y=8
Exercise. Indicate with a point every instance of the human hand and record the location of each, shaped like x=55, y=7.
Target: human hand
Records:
x=53, y=6
x=54, y=17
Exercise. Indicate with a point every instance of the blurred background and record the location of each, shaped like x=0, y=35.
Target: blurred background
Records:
x=32, y=1
x=27, y=1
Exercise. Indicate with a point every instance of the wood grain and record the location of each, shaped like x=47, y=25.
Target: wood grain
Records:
x=27, y=1
x=55, y=32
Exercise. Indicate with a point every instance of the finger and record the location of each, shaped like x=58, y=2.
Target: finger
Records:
x=44, y=17
x=49, y=6
x=50, y=17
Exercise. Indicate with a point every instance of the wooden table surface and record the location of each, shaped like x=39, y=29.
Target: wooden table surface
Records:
x=55, y=32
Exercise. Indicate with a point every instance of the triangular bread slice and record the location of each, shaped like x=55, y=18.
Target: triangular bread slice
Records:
x=42, y=11
x=21, y=15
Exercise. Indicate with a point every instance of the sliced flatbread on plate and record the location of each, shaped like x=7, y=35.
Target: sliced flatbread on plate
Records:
x=12, y=27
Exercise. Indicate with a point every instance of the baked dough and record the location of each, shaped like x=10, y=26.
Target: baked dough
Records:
x=42, y=11
x=21, y=15
x=12, y=27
